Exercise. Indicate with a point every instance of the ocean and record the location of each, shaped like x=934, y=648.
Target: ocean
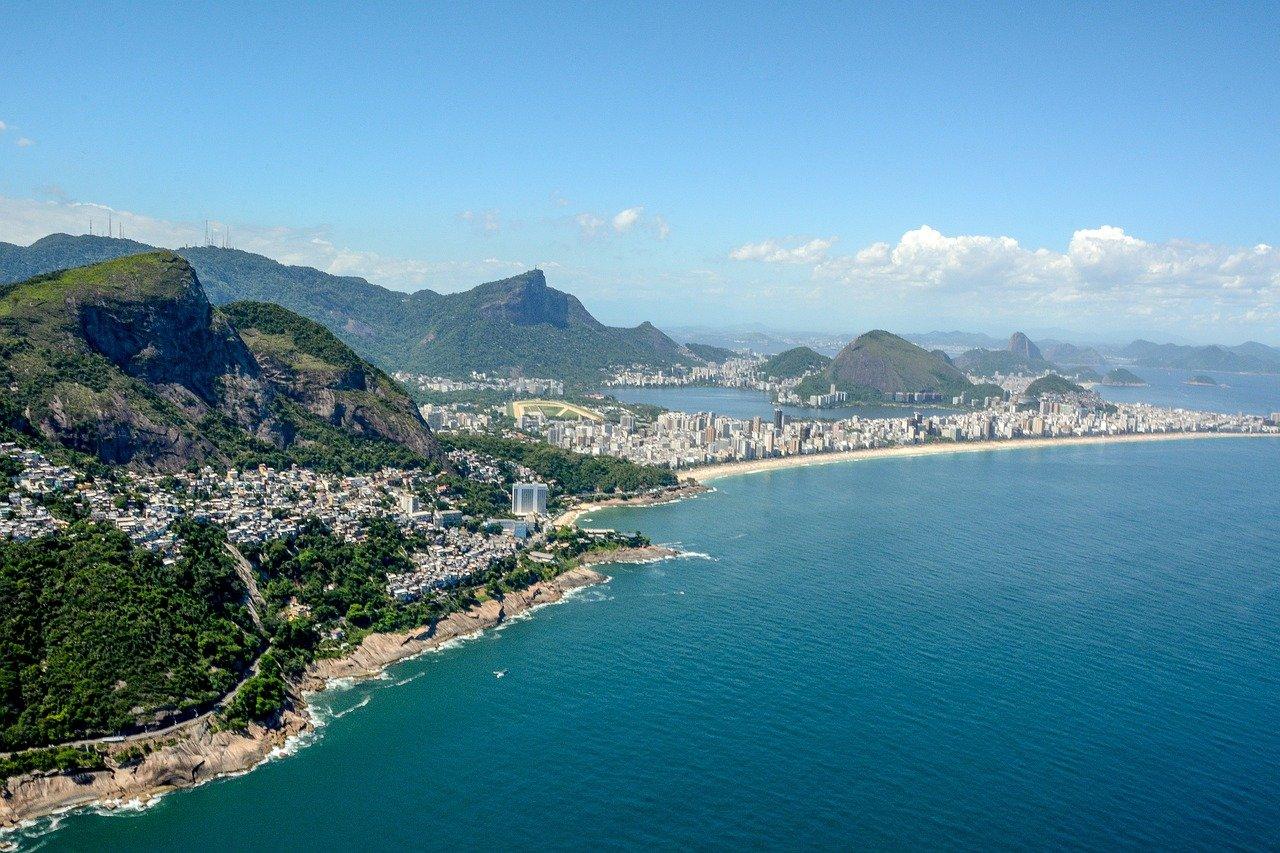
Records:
x=1050, y=647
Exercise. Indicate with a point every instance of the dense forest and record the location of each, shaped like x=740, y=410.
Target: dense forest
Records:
x=98, y=636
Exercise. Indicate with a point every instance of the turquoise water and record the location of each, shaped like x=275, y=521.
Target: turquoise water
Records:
x=1052, y=647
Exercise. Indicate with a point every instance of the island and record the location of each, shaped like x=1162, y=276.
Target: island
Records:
x=1122, y=378
x=1201, y=379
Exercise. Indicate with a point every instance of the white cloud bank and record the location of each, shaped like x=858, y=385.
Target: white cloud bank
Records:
x=1104, y=271
x=24, y=220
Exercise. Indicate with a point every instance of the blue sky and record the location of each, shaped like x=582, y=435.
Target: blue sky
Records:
x=1110, y=170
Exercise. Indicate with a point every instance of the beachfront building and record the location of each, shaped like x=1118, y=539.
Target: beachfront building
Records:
x=529, y=499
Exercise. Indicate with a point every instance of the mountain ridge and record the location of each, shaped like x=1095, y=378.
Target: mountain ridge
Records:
x=517, y=325
x=128, y=361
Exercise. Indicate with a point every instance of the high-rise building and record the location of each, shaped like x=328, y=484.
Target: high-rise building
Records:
x=529, y=499
x=777, y=419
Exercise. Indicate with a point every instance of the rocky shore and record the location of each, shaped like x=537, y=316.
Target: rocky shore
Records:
x=200, y=754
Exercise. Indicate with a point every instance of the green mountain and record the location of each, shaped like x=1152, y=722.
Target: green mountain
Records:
x=517, y=325
x=707, y=352
x=794, y=362
x=1060, y=352
x=879, y=363
x=127, y=360
x=1052, y=384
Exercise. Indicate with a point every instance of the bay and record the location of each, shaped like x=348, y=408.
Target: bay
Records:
x=1049, y=647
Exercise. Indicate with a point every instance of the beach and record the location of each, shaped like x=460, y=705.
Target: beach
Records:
x=707, y=473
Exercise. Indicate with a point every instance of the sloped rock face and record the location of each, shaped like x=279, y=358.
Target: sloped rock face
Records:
x=170, y=339
x=525, y=300
x=1020, y=344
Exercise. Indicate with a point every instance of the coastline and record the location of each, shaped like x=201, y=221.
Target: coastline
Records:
x=201, y=754
x=707, y=473
x=570, y=517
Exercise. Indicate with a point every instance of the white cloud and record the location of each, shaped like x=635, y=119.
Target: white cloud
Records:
x=488, y=221
x=24, y=142
x=625, y=220
x=3, y=127
x=24, y=220
x=661, y=227
x=588, y=224
x=1104, y=272
x=779, y=252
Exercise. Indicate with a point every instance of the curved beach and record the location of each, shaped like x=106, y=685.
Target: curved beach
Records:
x=707, y=473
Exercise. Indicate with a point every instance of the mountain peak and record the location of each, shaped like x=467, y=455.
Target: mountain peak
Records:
x=1020, y=344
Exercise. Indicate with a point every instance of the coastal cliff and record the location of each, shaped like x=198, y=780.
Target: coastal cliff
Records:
x=377, y=651
x=198, y=753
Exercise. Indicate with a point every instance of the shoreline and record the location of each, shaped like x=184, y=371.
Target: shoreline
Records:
x=204, y=755
x=569, y=517
x=706, y=473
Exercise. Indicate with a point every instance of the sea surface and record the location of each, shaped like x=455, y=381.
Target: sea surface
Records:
x=1257, y=394
x=1050, y=647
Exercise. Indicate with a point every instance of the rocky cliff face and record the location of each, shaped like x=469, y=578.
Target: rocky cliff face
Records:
x=128, y=361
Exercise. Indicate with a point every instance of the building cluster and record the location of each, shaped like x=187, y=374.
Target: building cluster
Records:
x=520, y=385
x=681, y=440
x=261, y=504
x=734, y=373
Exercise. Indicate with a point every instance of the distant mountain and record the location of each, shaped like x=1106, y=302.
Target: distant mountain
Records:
x=61, y=252
x=126, y=360
x=711, y=353
x=1060, y=352
x=955, y=341
x=879, y=363
x=1020, y=356
x=517, y=326
x=794, y=363
x=1250, y=357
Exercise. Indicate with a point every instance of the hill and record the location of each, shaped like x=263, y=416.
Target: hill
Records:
x=1123, y=378
x=794, y=363
x=1052, y=384
x=1020, y=356
x=707, y=352
x=879, y=363
x=126, y=360
x=517, y=325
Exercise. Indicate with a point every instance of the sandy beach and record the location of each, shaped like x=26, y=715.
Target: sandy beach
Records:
x=731, y=469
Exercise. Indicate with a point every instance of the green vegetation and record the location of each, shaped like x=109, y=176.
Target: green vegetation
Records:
x=879, y=363
x=574, y=473
x=127, y=361
x=711, y=353
x=1052, y=384
x=980, y=392
x=98, y=636
x=65, y=759
x=988, y=362
x=1201, y=379
x=1121, y=376
x=794, y=363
